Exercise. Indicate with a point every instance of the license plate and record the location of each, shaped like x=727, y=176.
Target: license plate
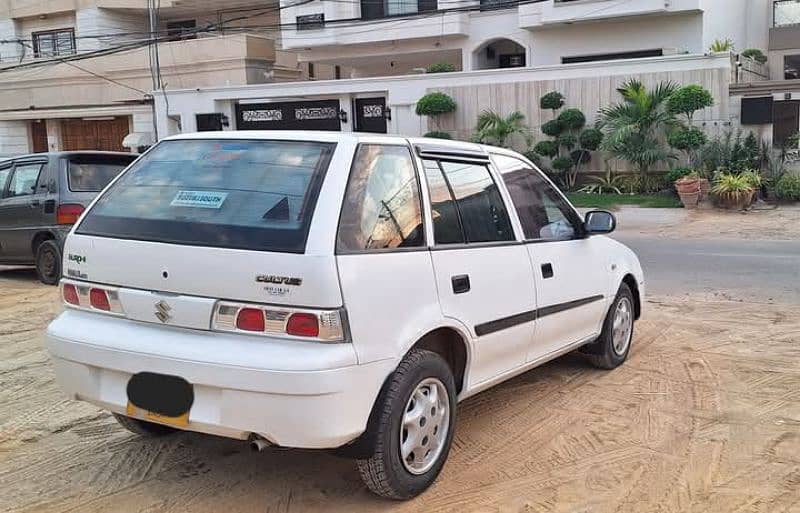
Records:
x=134, y=411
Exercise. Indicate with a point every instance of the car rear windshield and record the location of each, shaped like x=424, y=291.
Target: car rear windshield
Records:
x=243, y=194
x=91, y=173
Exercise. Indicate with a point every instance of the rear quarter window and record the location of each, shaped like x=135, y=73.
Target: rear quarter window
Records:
x=91, y=173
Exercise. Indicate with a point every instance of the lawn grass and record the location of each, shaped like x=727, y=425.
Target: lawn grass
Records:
x=611, y=201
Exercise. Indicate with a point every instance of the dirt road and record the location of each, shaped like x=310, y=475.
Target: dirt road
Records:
x=705, y=416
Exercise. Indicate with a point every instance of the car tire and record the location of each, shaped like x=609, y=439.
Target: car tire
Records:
x=143, y=428
x=611, y=349
x=48, y=262
x=408, y=400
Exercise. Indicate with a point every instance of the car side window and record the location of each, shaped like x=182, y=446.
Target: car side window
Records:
x=382, y=207
x=24, y=179
x=479, y=208
x=542, y=211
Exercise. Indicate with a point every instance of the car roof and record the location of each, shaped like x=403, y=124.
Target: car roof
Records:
x=68, y=153
x=331, y=136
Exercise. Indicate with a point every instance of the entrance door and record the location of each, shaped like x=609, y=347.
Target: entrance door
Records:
x=307, y=115
x=484, y=278
x=371, y=115
x=94, y=134
x=786, y=121
x=39, y=136
x=572, y=272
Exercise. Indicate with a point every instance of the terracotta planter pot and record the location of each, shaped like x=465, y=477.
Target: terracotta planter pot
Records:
x=687, y=185
x=690, y=199
x=734, y=201
x=705, y=188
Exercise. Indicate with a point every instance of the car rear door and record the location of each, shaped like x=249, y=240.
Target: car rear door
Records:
x=5, y=218
x=572, y=272
x=23, y=208
x=482, y=272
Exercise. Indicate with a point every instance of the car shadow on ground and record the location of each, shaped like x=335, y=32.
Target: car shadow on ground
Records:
x=18, y=273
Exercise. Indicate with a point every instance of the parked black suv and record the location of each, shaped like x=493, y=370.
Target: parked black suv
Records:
x=41, y=196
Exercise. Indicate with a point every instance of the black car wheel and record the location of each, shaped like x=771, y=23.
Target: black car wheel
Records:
x=48, y=262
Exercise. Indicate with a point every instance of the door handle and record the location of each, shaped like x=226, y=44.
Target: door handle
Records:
x=460, y=283
x=35, y=203
x=547, y=270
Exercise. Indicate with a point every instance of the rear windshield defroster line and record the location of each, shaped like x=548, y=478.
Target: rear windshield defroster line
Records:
x=239, y=194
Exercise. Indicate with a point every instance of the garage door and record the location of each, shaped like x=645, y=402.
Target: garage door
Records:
x=307, y=115
x=94, y=134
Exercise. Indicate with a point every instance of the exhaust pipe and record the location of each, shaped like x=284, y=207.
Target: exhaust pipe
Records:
x=258, y=444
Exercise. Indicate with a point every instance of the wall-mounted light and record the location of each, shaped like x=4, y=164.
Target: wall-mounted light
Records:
x=387, y=113
x=343, y=115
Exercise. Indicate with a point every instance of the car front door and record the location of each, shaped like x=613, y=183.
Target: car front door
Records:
x=483, y=273
x=572, y=272
x=22, y=208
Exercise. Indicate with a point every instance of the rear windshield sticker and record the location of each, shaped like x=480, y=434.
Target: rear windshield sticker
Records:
x=202, y=199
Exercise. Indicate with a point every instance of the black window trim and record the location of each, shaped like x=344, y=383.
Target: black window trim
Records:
x=4, y=185
x=425, y=242
x=21, y=162
x=315, y=185
x=578, y=225
x=490, y=167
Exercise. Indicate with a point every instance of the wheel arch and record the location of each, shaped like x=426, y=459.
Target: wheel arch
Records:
x=40, y=237
x=632, y=284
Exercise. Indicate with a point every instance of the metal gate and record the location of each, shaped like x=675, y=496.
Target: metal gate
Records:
x=371, y=115
x=303, y=115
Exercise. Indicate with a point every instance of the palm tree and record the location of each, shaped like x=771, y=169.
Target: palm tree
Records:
x=635, y=128
x=494, y=129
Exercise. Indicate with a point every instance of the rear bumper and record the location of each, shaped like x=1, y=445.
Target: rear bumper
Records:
x=294, y=394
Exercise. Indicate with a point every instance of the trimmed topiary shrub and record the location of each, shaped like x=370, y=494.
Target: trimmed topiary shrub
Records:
x=676, y=174
x=590, y=139
x=755, y=54
x=547, y=149
x=552, y=101
x=689, y=99
x=438, y=135
x=440, y=67
x=562, y=164
x=435, y=104
x=687, y=138
x=572, y=119
x=567, y=140
x=553, y=128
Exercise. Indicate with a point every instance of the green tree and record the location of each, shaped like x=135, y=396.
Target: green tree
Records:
x=552, y=101
x=755, y=54
x=434, y=105
x=688, y=139
x=634, y=128
x=689, y=99
x=495, y=129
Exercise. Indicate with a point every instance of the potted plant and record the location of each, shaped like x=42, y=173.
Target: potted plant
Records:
x=733, y=191
x=753, y=177
x=688, y=189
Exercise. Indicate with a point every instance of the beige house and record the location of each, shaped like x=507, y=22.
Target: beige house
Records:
x=95, y=103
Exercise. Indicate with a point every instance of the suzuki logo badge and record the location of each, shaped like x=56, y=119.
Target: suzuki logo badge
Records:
x=162, y=311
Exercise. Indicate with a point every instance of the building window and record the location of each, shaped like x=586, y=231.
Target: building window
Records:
x=785, y=13
x=374, y=9
x=791, y=67
x=53, y=43
x=184, y=29
x=639, y=54
x=311, y=70
x=337, y=72
x=310, y=21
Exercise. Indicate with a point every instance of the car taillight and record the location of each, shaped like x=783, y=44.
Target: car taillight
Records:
x=302, y=325
x=68, y=213
x=320, y=325
x=99, y=300
x=70, y=293
x=250, y=319
x=87, y=296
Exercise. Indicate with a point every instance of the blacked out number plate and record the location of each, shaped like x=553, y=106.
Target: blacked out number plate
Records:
x=170, y=396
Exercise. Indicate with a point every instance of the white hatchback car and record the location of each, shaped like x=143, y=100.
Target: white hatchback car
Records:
x=327, y=290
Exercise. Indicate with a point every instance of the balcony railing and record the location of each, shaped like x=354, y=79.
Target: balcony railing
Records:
x=785, y=13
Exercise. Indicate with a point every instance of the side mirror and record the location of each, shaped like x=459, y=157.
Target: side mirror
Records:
x=599, y=221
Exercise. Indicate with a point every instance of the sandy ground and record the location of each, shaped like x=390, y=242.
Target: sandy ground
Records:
x=705, y=416
x=761, y=223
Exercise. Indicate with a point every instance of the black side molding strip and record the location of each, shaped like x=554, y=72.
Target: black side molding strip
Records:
x=509, y=322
